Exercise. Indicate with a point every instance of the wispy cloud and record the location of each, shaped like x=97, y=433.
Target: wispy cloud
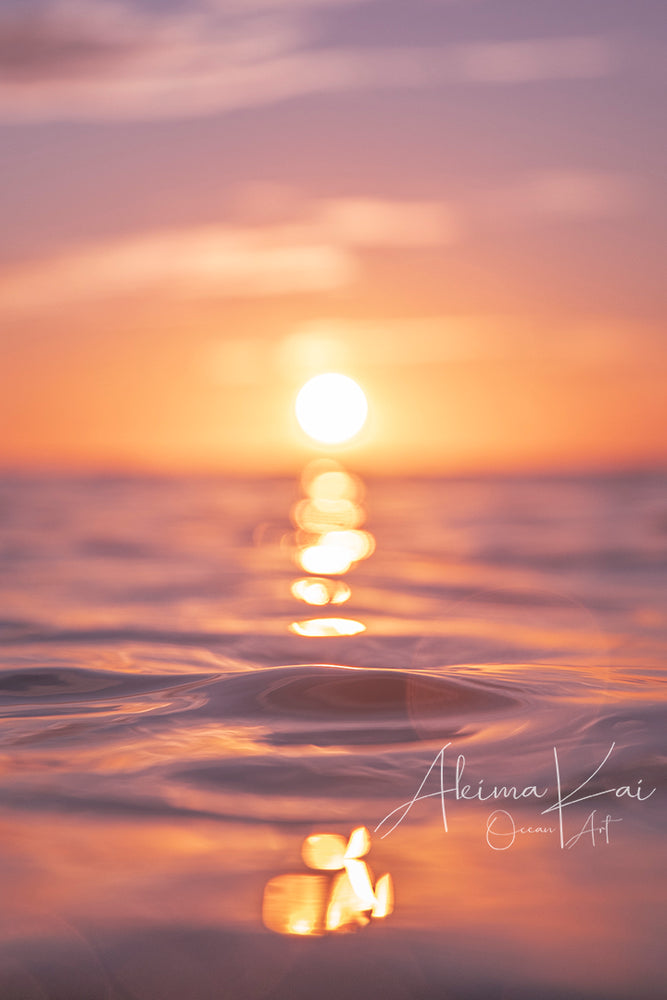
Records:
x=452, y=339
x=372, y=222
x=536, y=59
x=103, y=59
x=540, y=197
x=401, y=343
x=580, y=193
x=318, y=250
x=287, y=244
x=209, y=261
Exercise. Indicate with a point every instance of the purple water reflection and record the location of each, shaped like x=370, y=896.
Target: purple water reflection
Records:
x=168, y=744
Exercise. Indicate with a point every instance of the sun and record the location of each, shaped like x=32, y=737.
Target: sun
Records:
x=331, y=408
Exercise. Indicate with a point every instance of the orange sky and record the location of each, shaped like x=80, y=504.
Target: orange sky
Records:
x=205, y=205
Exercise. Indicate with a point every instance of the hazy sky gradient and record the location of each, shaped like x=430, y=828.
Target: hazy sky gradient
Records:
x=460, y=204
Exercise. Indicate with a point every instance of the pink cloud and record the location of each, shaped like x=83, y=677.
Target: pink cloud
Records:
x=207, y=261
x=104, y=59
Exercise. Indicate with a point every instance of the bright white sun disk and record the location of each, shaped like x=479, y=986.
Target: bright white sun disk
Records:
x=331, y=408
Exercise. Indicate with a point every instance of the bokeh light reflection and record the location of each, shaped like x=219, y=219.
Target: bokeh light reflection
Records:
x=320, y=591
x=326, y=558
x=314, y=628
x=329, y=541
x=342, y=901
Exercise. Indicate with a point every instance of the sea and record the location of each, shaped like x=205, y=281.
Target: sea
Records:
x=333, y=736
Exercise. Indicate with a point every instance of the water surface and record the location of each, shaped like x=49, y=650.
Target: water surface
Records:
x=168, y=741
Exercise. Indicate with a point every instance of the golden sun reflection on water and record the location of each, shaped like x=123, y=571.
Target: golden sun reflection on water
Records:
x=320, y=591
x=329, y=542
x=342, y=901
x=326, y=558
x=314, y=628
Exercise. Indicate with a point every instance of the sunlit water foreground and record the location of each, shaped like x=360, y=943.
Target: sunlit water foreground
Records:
x=170, y=743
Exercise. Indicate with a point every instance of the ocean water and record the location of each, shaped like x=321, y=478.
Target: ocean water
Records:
x=176, y=722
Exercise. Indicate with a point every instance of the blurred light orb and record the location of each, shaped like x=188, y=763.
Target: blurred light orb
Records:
x=316, y=628
x=331, y=408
